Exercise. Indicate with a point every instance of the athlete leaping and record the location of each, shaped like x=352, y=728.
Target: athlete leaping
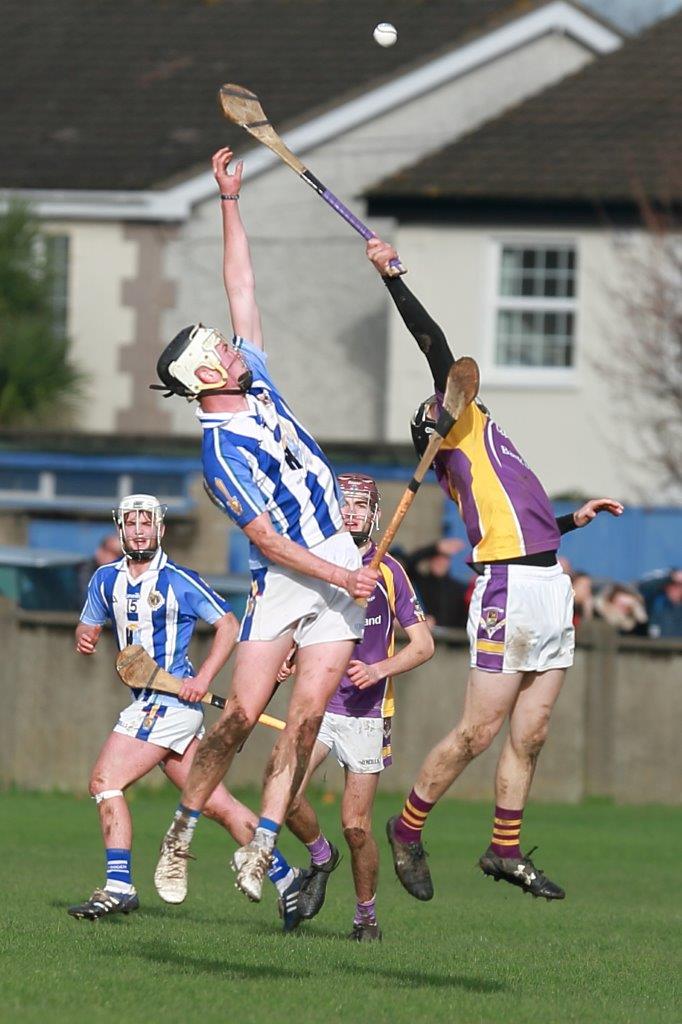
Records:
x=268, y=474
x=520, y=618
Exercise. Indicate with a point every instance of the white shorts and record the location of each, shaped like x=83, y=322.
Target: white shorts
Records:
x=171, y=727
x=283, y=601
x=521, y=619
x=362, y=745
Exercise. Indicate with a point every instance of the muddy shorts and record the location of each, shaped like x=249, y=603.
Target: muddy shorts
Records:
x=521, y=619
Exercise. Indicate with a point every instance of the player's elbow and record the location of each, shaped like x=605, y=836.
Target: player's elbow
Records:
x=269, y=545
x=428, y=648
x=424, y=647
x=228, y=627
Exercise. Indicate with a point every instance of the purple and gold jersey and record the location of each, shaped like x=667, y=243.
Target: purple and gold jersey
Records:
x=505, y=509
x=393, y=600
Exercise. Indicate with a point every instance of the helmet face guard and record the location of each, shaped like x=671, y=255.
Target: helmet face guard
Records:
x=422, y=425
x=362, y=508
x=139, y=504
x=193, y=347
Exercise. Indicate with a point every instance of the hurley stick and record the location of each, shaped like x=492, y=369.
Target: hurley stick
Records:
x=139, y=671
x=242, y=107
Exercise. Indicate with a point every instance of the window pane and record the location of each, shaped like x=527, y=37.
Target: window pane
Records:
x=510, y=272
x=542, y=272
x=534, y=338
x=57, y=252
x=86, y=485
x=19, y=480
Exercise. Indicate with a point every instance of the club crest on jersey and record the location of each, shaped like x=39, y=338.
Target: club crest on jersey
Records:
x=492, y=619
x=264, y=397
x=292, y=442
x=155, y=599
x=234, y=506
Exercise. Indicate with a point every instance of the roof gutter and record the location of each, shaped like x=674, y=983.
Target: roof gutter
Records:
x=175, y=204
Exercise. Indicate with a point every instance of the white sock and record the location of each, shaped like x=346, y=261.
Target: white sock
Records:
x=282, y=884
x=265, y=838
x=119, y=888
x=184, y=823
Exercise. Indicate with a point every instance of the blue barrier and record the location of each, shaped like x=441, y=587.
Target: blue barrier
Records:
x=639, y=542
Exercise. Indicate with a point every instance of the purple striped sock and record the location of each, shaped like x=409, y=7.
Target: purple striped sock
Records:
x=408, y=827
x=365, y=913
x=320, y=850
x=506, y=831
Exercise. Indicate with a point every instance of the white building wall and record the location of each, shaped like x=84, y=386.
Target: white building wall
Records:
x=98, y=324
x=568, y=431
x=324, y=312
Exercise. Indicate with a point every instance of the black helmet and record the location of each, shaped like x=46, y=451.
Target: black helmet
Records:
x=422, y=425
x=197, y=346
x=171, y=352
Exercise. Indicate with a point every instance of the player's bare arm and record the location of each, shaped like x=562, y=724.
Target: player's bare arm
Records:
x=87, y=637
x=224, y=640
x=417, y=650
x=359, y=583
x=591, y=509
x=240, y=283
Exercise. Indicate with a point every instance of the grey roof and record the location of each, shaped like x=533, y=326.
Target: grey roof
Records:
x=121, y=94
x=609, y=134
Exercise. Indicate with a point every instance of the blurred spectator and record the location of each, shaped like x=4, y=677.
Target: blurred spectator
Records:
x=663, y=596
x=623, y=608
x=583, y=596
x=108, y=550
x=443, y=596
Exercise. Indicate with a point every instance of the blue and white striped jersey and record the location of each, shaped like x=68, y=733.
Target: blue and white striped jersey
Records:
x=159, y=609
x=266, y=461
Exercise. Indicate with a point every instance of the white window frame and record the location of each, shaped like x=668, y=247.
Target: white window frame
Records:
x=528, y=377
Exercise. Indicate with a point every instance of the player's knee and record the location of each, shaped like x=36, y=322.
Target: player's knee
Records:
x=99, y=783
x=534, y=740
x=235, y=726
x=477, y=738
x=356, y=835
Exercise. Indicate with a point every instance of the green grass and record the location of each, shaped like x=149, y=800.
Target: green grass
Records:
x=480, y=952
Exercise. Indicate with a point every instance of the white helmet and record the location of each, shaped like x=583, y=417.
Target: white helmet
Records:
x=138, y=503
x=193, y=347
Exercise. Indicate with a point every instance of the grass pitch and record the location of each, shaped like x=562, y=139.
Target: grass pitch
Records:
x=480, y=952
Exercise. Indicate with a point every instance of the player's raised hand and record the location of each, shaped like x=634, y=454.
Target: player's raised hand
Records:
x=229, y=182
x=361, y=582
x=587, y=512
x=384, y=257
x=362, y=675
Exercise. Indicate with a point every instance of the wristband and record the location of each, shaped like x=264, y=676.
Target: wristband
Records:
x=223, y=197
